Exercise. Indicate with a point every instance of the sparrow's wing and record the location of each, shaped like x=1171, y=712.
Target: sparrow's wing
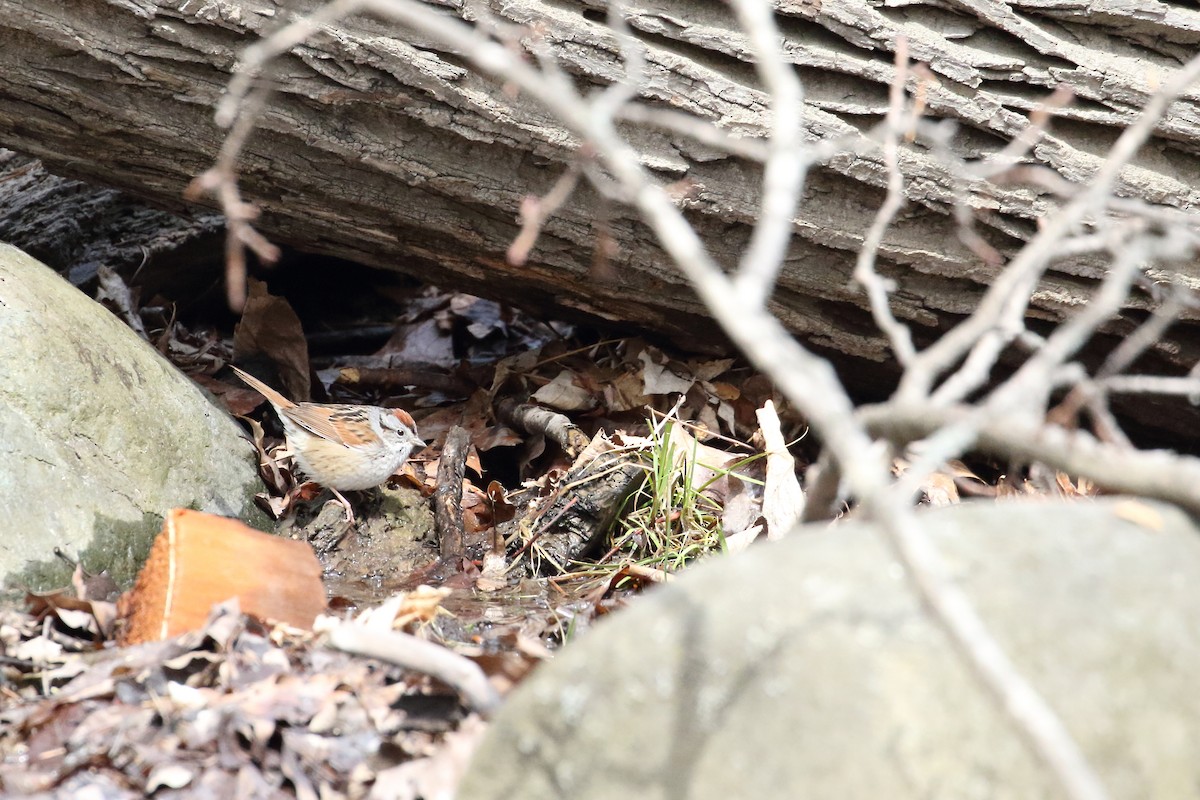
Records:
x=346, y=425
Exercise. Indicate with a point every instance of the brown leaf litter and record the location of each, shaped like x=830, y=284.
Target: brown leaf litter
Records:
x=234, y=709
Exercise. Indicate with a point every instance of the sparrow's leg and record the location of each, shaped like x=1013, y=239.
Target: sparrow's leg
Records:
x=345, y=503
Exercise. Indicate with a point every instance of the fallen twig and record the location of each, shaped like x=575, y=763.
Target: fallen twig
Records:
x=410, y=652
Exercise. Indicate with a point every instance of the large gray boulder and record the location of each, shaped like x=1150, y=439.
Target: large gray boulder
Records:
x=100, y=435
x=808, y=669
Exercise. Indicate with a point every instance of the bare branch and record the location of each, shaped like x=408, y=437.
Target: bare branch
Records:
x=1004, y=162
x=408, y=651
x=1029, y=388
x=535, y=211
x=1045, y=732
x=784, y=171
x=1152, y=384
x=693, y=127
x=221, y=180
x=1157, y=474
x=876, y=287
x=1021, y=144
x=1007, y=298
x=613, y=98
x=256, y=56
x=1146, y=336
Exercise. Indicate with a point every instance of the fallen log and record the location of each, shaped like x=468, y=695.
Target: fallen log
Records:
x=380, y=146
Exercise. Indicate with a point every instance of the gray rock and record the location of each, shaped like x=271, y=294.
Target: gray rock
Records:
x=99, y=434
x=807, y=669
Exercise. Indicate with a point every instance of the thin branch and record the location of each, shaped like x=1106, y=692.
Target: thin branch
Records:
x=408, y=651
x=1025, y=395
x=221, y=180
x=999, y=163
x=1042, y=728
x=617, y=94
x=447, y=497
x=1146, y=336
x=878, y=289
x=1158, y=474
x=701, y=130
x=976, y=370
x=1152, y=384
x=1029, y=387
x=1104, y=423
x=231, y=106
x=1023, y=142
x=785, y=168
x=535, y=211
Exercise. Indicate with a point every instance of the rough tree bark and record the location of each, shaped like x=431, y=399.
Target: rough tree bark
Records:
x=380, y=147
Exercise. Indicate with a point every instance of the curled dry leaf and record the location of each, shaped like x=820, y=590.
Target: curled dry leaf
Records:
x=623, y=392
x=89, y=619
x=493, y=575
x=418, y=606
x=115, y=293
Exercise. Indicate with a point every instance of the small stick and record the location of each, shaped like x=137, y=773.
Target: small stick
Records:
x=410, y=652
x=556, y=427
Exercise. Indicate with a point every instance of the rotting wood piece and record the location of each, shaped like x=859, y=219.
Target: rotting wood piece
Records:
x=574, y=519
x=75, y=228
x=199, y=560
x=447, y=499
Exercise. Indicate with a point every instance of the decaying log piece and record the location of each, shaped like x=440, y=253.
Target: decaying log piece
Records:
x=76, y=229
x=574, y=519
x=447, y=498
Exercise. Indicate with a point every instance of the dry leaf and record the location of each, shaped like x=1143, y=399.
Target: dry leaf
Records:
x=270, y=328
x=783, y=499
x=564, y=394
x=940, y=489
x=493, y=576
x=708, y=370
x=657, y=379
x=623, y=392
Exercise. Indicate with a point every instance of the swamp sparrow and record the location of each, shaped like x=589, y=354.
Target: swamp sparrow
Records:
x=342, y=447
